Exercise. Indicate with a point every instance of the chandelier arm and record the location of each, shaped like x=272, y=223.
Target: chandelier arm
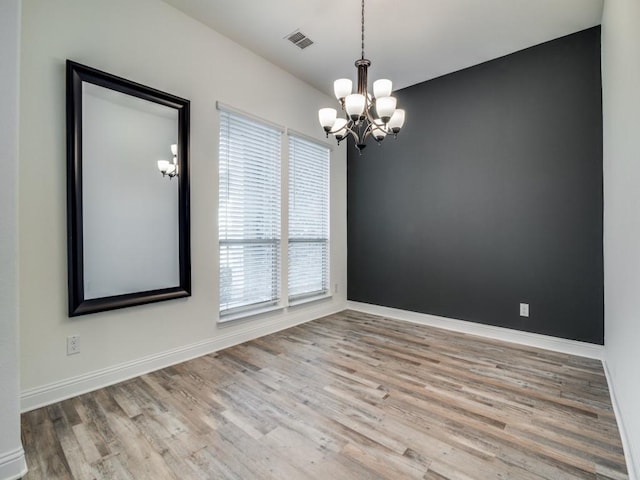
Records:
x=355, y=136
x=369, y=116
x=368, y=131
x=345, y=128
x=348, y=128
x=351, y=131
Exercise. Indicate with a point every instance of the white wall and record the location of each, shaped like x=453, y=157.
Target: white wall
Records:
x=12, y=462
x=621, y=116
x=151, y=43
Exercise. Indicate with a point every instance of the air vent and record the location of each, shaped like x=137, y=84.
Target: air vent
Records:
x=299, y=39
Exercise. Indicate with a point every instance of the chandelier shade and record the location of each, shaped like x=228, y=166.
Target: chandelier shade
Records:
x=365, y=115
x=382, y=88
x=397, y=121
x=385, y=106
x=354, y=105
x=342, y=87
x=327, y=117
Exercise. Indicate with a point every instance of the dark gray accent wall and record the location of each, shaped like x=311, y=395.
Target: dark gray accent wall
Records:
x=491, y=196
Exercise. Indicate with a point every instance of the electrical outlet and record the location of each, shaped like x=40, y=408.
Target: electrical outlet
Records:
x=524, y=309
x=73, y=344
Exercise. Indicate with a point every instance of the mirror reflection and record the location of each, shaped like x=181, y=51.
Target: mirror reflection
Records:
x=130, y=212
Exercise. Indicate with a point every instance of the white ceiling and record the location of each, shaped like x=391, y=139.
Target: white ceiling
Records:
x=407, y=41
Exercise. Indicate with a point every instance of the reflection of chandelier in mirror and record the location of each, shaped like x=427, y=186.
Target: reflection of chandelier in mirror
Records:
x=366, y=115
x=167, y=168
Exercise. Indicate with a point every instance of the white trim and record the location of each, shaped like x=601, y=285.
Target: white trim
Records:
x=13, y=464
x=322, y=143
x=298, y=302
x=562, y=345
x=632, y=465
x=246, y=312
x=33, y=398
x=229, y=109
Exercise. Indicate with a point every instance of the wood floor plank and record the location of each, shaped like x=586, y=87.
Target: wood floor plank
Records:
x=350, y=396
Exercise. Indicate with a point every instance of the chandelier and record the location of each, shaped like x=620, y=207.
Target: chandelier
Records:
x=170, y=169
x=365, y=115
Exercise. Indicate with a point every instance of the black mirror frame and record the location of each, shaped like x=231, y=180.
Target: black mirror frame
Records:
x=78, y=305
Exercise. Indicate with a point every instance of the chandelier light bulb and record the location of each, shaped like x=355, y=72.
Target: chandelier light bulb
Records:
x=339, y=131
x=163, y=165
x=342, y=88
x=174, y=149
x=378, y=130
x=354, y=105
x=385, y=106
x=379, y=134
x=382, y=88
x=397, y=120
x=327, y=117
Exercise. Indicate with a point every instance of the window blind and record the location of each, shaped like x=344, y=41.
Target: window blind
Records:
x=249, y=213
x=308, y=248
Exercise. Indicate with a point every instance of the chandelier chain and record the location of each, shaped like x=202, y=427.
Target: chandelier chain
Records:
x=362, y=29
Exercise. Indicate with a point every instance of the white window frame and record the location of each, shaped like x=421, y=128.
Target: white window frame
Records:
x=283, y=301
x=325, y=291
x=275, y=296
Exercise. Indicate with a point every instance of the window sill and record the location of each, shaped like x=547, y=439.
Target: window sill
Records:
x=245, y=314
x=316, y=298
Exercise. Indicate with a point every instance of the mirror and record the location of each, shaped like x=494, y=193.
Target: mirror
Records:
x=127, y=193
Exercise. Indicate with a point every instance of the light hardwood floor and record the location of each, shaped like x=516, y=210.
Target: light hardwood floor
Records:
x=349, y=396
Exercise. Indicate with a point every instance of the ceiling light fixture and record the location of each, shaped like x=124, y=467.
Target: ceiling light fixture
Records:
x=365, y=115
x=167, y=168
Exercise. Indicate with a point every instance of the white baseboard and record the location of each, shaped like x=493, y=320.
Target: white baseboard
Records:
x=633, y=464
x=37, y=397
x=13, y=464
x=562, y=345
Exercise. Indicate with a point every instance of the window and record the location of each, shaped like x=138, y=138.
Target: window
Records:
x=249, y=213
x=308, y=253
x=252, y=272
